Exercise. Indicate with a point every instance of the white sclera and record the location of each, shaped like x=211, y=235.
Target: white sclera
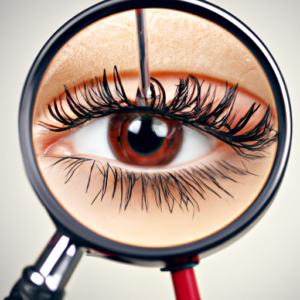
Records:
x=194, y=145
x=92, y=140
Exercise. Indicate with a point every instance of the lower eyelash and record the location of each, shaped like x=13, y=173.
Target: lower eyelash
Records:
x=179, y=187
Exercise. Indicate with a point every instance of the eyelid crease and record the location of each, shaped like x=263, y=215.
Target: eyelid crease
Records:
x=188, y=107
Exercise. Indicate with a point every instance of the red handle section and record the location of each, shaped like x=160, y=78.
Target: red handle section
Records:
x=185, y=285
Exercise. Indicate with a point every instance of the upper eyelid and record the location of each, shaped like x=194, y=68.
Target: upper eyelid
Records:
x=40, y=105
x=219, y=120
x=100, y=91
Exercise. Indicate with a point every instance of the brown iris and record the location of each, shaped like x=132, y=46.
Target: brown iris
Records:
x=142, y=139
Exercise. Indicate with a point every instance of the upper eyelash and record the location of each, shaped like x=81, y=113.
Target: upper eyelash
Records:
x=200, y=115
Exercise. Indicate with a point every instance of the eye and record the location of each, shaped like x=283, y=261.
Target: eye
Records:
x=158, y=146
x=161, y=135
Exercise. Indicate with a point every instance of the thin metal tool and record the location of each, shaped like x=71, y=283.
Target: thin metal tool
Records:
x=143, y=57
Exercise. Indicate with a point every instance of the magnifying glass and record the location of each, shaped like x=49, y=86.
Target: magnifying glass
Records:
x=150, y=173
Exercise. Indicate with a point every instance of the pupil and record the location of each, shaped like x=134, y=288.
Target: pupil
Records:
x=146, y=134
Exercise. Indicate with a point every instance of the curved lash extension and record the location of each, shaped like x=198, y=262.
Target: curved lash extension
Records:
x=189, y=107
x=178, y=188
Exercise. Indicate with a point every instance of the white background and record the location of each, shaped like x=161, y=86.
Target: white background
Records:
x=264, y=264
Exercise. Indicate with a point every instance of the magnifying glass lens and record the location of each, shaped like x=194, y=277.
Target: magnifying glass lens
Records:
x=172, y=172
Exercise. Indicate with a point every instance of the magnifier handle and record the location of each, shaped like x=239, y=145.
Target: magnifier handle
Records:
x=185, y=285
x=47, y=278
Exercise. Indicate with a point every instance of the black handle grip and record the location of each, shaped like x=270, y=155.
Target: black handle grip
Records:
x=26, y=289
x=47, y=279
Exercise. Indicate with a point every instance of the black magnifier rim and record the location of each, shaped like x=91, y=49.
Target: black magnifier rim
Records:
x=127, y=252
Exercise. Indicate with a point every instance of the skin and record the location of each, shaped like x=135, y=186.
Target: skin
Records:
x=179, y=44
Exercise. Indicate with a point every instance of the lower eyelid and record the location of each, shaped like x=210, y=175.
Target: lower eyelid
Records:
x=202, y=177
x=109, y=218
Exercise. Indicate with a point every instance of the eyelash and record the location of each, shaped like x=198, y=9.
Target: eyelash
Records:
x=200, y=115
x=189, y=108
x=167, y=187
